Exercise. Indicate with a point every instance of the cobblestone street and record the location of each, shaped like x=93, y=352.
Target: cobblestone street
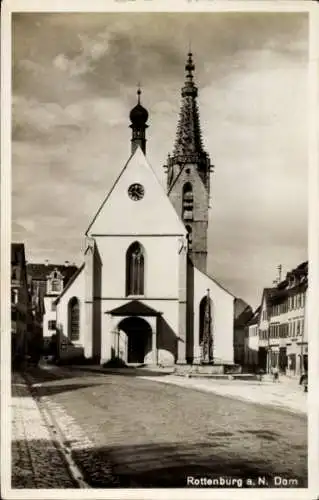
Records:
x=36, y=461
x=126, y=431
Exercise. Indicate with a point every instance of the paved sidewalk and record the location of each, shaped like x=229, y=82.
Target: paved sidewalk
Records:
x=289, y=396
x=36, y=461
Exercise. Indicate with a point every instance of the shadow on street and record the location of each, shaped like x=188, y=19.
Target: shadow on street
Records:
x=168, y=465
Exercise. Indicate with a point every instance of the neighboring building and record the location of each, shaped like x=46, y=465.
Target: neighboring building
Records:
x=47, y=282
x=143, y=293
x=21, y=319
x=35, y=343
x=243, y=314
x=252, y=342
x=283, y=342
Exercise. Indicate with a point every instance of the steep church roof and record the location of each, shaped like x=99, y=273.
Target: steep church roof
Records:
x=70, y=282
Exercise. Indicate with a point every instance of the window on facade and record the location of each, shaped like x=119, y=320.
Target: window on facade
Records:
x=74, y=319
x=292, y=362
x=298, y=327
x=53, y=306
x=135, y=270
x=14, y=296
x=56, y=285
x=188, y=201
x=52, y=324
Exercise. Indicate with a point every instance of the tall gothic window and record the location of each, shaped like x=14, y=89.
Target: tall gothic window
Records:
x=74, y=319
x=135, y=270
x=188, y=201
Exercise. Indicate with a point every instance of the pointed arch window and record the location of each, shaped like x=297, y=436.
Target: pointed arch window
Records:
x=135, y=270
x=74, y=319
x=188, y=201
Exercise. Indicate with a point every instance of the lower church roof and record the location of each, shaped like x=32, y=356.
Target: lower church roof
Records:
x=134, y=308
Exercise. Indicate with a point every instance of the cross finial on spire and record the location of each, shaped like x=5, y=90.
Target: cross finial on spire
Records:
x=139, y=93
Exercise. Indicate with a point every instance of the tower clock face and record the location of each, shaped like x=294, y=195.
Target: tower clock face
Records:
x=136, y=191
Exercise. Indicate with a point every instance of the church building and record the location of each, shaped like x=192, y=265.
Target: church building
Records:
x=143, y=293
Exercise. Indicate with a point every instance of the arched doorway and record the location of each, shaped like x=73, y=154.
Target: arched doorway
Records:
x=139, y=338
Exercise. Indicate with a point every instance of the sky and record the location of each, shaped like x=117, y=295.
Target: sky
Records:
x=74, y=83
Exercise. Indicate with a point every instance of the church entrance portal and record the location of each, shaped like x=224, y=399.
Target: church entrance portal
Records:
x=139, y=338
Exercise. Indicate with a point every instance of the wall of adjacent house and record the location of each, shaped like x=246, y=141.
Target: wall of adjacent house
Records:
x=49, y=316
x=252, y=345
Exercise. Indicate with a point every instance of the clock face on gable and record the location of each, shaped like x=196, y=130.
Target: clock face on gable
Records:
x=136, y=191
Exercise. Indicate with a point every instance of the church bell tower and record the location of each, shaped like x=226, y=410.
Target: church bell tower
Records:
x=188, y=172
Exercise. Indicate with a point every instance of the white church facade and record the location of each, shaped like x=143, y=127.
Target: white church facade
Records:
x=142, y=293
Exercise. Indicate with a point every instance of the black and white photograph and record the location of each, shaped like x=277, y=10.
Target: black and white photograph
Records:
x=159, y=218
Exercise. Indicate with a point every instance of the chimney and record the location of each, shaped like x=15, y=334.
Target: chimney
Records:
x=66, y=263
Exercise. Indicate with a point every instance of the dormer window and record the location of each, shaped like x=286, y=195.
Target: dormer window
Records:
x=55, y=285
x=55, y=282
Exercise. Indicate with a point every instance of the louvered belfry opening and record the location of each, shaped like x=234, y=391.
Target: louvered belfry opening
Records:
x=135, y=270
x=188, y=202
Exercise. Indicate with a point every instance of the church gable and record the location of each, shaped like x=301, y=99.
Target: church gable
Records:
x=136, y=204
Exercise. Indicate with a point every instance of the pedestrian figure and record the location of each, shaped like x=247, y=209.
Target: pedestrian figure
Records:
x=275, y=375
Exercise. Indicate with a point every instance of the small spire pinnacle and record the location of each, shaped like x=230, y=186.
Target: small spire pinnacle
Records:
x=190, y=66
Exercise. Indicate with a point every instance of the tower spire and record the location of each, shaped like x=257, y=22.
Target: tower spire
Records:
x=188, y=147
x=138, y=117
x=188, y=171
